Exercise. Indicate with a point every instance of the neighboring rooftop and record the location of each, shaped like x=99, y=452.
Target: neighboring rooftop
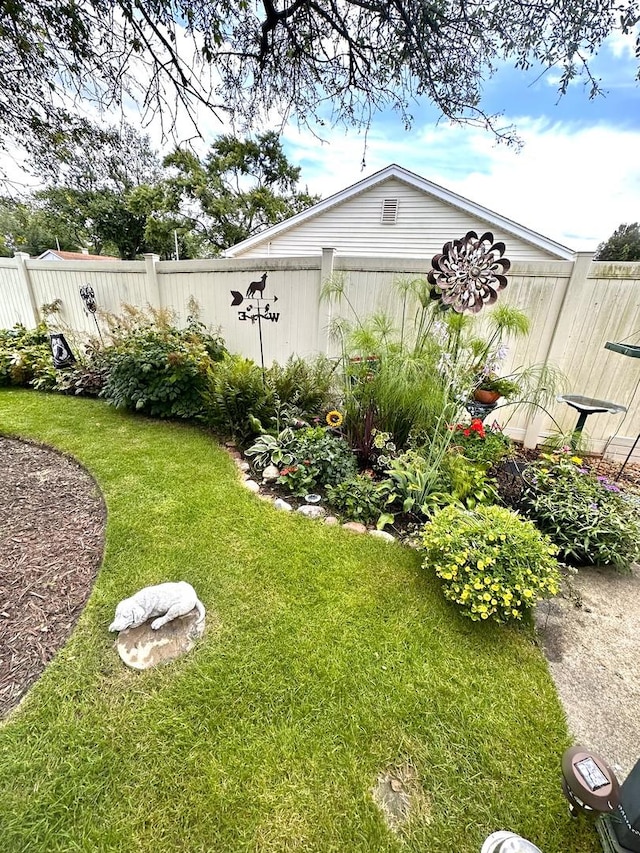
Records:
x=57, y=255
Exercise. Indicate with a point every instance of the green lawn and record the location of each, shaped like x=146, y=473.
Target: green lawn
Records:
x=335, y=656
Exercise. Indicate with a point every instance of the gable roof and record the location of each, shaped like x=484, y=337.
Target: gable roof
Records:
x=398, y=172
x=51, y=254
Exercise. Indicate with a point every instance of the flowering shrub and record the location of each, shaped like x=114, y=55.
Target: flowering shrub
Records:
x=492, y=563
x=588, y=517
x=482, y=445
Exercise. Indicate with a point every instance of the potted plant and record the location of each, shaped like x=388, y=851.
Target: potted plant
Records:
x=491, y=387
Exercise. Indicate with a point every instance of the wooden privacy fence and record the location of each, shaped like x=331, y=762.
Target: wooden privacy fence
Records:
x=575, y=307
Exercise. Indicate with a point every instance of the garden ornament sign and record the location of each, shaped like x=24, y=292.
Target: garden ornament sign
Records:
x=469, y=272
x=61, y=351
x=258, y=307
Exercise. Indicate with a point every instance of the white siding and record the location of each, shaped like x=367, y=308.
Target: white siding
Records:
x=353, y=227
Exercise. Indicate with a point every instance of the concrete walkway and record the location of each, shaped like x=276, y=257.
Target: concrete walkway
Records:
x=591, y=638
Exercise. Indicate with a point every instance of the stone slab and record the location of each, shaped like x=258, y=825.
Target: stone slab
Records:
x=143, y=648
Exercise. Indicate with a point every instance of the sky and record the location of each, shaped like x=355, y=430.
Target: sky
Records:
x=575, y=178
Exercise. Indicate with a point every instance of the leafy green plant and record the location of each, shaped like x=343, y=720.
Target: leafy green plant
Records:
x=413, y=479
x=491, y=562
x=320, y=458
x=359, y=498
x=418, y=487
x=162, y=373
x=156, y=368
x=466, y=483
x=328, y=454
x=300, y=478
x=303, y=386
x=502, y=385
x=238, y=401
x=87, y=378
x=586, y=516
x=25, y=357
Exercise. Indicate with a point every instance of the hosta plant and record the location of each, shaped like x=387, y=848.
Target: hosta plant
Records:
x=492, y=563
x=272, y=450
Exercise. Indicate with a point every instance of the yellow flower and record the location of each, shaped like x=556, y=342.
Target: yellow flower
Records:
x=334, y=418
x=576, y=460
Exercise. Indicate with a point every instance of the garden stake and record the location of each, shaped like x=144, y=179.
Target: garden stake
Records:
x=88, y=296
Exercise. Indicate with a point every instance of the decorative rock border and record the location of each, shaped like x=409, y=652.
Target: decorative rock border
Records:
x=312, y=511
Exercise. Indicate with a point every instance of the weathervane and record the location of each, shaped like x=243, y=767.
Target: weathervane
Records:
x=258, y=309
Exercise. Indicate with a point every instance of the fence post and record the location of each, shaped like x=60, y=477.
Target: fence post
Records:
x=326, y=271
x=152, y=279
x=23, y=273
x=559, y=327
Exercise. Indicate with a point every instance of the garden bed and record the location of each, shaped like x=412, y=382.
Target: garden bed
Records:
x=51, y=546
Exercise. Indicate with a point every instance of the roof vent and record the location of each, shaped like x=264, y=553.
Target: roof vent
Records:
x=389, y=214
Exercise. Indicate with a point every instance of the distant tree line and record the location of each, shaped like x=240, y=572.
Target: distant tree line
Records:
x=110, y=193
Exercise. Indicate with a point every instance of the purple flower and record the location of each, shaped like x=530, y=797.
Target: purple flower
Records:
x=582, y=470
x=593, y=506
x=603, y=479
x=611, y=487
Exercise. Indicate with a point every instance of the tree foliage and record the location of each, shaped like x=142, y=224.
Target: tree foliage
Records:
x=117, y=198
x=623, y=245
x=315, y=58
x=237, y=190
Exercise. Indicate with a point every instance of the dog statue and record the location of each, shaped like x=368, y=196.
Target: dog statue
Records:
x=166, y=601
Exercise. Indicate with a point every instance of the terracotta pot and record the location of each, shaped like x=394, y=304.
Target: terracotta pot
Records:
x=486, y=397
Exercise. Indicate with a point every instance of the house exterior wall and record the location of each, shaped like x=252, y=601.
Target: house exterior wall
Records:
x=353, y=227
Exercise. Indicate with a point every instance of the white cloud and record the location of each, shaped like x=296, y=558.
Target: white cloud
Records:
x=572, y=184
x=623, y=46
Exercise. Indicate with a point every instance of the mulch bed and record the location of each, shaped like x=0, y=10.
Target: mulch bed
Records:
x=52, y=520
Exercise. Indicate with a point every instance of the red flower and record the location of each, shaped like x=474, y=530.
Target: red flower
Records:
x=477, y=426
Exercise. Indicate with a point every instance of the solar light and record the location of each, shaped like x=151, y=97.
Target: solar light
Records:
x=588, y=783
x=508, y=842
